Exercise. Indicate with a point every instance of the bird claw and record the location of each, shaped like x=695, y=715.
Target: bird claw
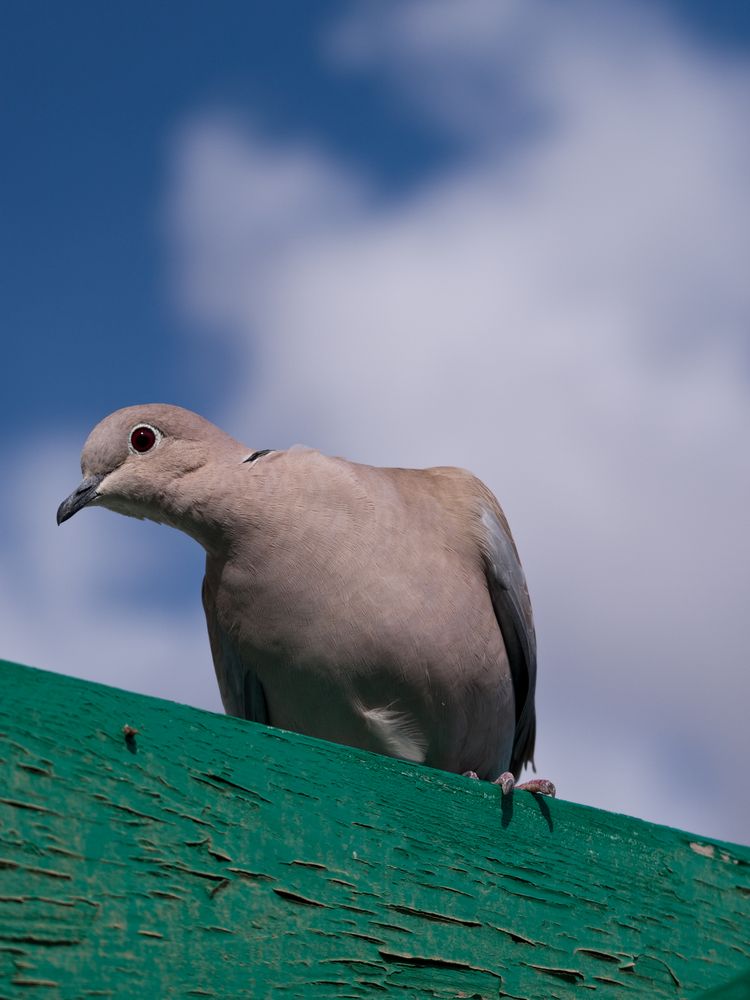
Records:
x=541, y=786
x=506, y=781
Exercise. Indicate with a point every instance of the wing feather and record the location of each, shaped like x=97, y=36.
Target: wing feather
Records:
x=510, y=600
x=241, y=692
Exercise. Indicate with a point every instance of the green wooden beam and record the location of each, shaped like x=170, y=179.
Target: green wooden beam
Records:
x=208, y=857
x=737, y=989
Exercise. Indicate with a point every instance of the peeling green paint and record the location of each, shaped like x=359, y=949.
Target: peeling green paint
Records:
x=202, y=856
x=737, y=989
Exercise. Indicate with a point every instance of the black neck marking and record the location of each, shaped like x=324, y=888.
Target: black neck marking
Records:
x=257, y=454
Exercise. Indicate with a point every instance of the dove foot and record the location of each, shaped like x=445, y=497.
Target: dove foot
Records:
x=541, y=786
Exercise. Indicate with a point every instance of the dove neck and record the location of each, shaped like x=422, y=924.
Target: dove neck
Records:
x=203, y=505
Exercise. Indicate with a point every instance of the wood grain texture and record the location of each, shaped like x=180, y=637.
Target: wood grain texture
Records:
x=203, y=856
x=737, y=989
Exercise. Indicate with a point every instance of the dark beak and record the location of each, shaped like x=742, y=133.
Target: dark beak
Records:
x=80, y=497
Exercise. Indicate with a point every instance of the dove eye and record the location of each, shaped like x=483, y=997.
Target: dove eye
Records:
x=143, y=438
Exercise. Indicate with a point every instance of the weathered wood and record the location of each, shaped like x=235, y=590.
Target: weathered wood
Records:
x=738, y=989
x=205, y=856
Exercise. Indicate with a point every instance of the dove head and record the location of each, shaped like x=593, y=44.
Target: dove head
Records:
x=139, y=460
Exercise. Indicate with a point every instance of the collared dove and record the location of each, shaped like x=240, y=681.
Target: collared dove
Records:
x=379, y=608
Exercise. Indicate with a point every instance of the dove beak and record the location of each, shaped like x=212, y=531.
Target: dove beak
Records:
x=82, y=495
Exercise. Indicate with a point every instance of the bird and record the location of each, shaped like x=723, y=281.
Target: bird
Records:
x=379, y=608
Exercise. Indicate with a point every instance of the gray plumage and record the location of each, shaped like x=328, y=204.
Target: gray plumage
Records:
x=380, y=608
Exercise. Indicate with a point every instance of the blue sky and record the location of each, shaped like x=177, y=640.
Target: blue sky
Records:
x=506, y=236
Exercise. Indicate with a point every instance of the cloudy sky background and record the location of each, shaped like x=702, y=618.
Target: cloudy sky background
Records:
x=509, y=236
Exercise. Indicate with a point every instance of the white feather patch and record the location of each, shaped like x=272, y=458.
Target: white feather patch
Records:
x=398, y=732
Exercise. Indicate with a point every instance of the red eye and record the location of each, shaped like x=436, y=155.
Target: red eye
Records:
x=142, y=439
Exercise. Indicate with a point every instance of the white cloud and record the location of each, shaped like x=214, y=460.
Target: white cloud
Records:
x=565, y=314
x=225, y=237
